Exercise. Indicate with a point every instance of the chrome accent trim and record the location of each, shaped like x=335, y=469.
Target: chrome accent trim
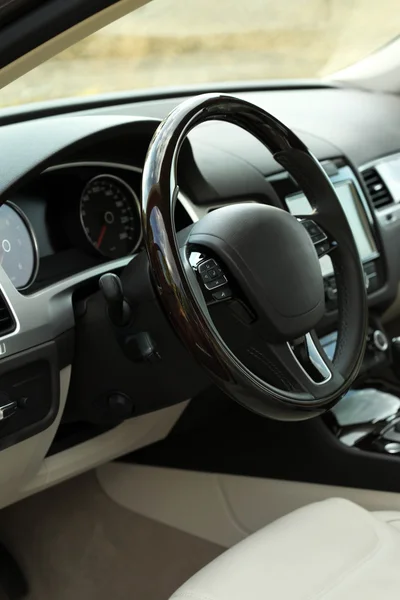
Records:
x=380, y=344
x=32, y=235
x=12, y=311
x=316, y=359
x=46, y=314
x=392, y=448
x=191, y=210
x=94, y=163
x=8, y=410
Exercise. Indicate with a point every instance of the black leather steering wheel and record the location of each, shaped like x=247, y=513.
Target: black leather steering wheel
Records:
x=263, y=255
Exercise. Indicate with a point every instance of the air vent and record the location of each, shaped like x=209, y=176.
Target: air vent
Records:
x=7, y=323
x=378, y=191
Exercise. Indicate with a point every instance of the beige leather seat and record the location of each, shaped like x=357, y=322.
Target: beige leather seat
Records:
x=330, y=550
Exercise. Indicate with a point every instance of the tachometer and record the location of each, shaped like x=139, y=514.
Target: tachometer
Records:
x=110, y=216
x=19, y=255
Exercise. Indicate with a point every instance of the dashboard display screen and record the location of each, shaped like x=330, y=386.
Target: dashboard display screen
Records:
x=351, y=203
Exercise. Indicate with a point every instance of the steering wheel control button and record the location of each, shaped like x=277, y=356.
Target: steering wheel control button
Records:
x=315, y=232
x=323, y=248
x=211, y=274
x=222, y=294
x=207, y=265
x=214, y=273
x=215, y=283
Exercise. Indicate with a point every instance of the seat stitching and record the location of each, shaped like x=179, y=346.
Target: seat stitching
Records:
x=350, y=571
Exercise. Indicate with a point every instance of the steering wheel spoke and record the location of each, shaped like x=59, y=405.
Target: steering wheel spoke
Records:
x=307, y=362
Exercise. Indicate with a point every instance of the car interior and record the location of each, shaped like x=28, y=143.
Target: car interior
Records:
x=199, y=330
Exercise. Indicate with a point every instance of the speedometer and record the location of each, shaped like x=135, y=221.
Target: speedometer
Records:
x=110, y=216
x=18, y=247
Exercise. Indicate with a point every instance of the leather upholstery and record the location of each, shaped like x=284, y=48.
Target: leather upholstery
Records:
x=330, y=550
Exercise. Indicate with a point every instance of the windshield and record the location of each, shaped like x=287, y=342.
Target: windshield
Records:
x=180, y=42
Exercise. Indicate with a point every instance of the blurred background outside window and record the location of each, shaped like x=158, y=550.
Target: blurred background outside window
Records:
x=180, y=42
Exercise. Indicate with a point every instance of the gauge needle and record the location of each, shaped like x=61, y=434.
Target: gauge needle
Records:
x=101, y=236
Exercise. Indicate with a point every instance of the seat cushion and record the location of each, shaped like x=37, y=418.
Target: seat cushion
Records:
x=331, y=550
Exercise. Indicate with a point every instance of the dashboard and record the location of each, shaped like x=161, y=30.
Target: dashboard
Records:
x=83, y=214
x=71, y=186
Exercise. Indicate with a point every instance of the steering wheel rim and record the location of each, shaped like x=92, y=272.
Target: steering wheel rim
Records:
x=176, y=282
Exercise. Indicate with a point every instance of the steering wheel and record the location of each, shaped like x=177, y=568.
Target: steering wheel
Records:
x=265, y=262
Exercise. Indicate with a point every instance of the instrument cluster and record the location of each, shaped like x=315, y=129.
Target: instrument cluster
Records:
x=71, y=217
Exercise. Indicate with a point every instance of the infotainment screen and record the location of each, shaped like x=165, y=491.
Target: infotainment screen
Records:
x=355, y=213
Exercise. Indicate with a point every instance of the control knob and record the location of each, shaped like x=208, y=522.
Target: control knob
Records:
x=380, y=341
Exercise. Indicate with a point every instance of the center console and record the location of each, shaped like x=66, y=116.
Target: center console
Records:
x=368, y=417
